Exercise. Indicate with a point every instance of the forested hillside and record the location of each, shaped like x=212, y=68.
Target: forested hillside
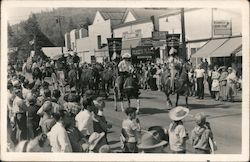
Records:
x=71, y=18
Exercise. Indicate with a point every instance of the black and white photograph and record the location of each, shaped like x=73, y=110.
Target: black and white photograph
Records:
x=124, y=80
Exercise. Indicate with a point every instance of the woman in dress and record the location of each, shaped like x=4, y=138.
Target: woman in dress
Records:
x=223, y=83
x=215, y=83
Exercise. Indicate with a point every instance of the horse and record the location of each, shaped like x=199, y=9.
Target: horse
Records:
x=181, y=83
x=38, y=144
x=130, y=90
x=73, y=78
x=107, y=80
x=87, y=79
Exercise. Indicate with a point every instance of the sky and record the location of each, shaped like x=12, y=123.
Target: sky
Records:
x=17, y=15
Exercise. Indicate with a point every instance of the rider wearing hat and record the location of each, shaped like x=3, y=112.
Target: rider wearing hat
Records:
x=173, y=61
x=125, y=67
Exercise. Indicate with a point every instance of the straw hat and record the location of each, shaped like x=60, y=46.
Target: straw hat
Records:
x=126, y=55
x=94, y=139
x=229, y=68
x=178, y=113
x=150, y=139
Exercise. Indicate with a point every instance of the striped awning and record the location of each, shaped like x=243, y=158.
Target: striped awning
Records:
x=209, y=47
x=227, y=48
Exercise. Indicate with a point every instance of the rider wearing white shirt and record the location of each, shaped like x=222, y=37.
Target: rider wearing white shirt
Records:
x=125, y=67
x=173, y=61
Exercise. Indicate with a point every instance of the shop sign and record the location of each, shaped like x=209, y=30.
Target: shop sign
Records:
x=159, y=35
x=222, y=27
x=143, y=51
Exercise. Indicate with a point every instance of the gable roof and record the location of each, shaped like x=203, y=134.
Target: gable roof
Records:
x=114, y=14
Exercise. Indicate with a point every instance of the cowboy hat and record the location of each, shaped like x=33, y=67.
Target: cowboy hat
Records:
x=150, y=139
x=229, y=68
x=126, y=55
x=178, y=113
x=94, y=139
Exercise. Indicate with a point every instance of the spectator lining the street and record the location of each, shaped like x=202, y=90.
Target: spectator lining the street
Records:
x=200, y=79
x=215, y=83
x=176, y=131
x=99, y=121
x=72, y=106
x=130, y=131
x=223, y=83
x=84, y=119
x=231, y=84
x=209, y=79
x=151, y=142
x=56, y=94
x=76, y=138
x=58, y=136
x=46, y=121
x=200, y=135
x=19, y=111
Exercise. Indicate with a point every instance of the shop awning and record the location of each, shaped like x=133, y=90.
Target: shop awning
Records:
x=209, y=47
x=227, y=48
x=127, y=44
x=239, y=53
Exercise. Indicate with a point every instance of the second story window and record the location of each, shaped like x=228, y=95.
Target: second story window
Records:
x=99, y=41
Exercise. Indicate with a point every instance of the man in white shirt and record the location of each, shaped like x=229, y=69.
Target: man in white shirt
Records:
x=200, y=79
x=58, y=136
x=84, y=121
x=125, y=67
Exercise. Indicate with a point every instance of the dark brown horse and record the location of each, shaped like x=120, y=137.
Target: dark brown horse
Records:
x=130, y=90
x=181, y=83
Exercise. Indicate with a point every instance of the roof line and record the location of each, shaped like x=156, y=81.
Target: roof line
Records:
x=214, y=38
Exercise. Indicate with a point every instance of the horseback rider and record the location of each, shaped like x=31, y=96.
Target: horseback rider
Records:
x=173, y=62
x=76, y=60
x=125, y=68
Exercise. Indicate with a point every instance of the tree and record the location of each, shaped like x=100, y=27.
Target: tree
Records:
x=71, y=25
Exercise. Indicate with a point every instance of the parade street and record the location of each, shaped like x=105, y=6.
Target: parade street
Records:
x=224, y=117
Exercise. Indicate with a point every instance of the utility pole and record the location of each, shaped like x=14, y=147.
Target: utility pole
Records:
x=183, y=35
x=58, y=20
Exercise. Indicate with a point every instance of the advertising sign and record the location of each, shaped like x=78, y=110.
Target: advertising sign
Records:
x=115, y=47
x=222, y=27
x=159, y=35
x=173, y=43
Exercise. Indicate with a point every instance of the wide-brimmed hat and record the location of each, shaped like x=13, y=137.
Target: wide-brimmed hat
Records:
x=150, y=139
x=126, y=55
x=229, y=68
x=178, y=113
x=94, y=139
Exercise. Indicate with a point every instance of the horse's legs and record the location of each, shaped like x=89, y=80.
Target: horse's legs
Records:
x=129, y=101
x=168, y=102
x=115, y=98
x=177, y=98
x=186, y=97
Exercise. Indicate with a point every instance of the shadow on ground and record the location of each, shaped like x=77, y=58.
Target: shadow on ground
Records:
x=203, y=106
x=151, y=111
